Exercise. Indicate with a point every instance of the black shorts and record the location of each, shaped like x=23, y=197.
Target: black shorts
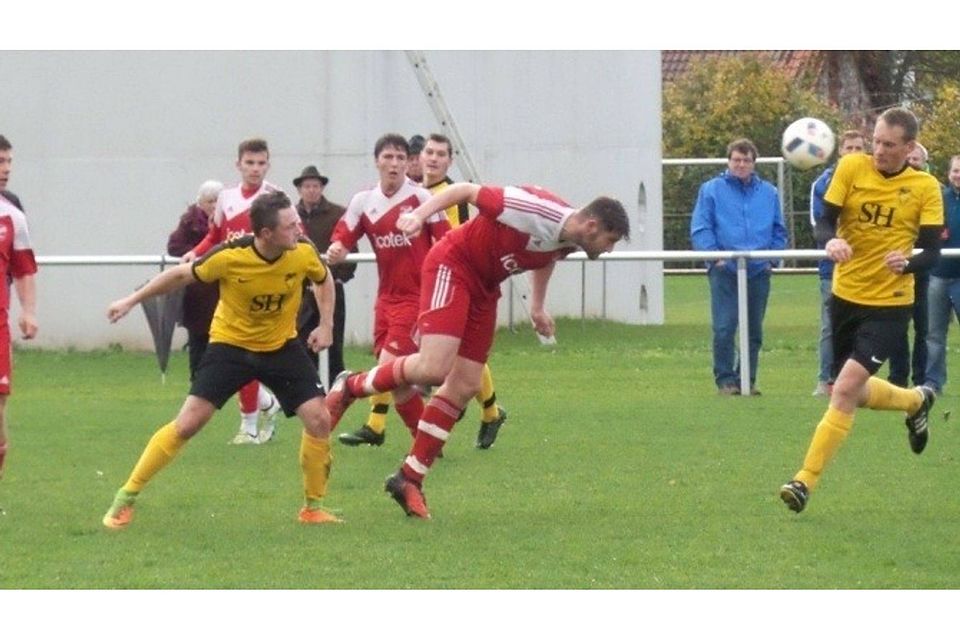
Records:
x=288, y=372
x=866, y=334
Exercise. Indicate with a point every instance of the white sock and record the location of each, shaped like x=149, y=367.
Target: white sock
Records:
x=248, y=422
x=265, y=399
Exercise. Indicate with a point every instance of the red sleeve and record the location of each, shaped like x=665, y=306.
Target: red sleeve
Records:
x=22, y=263
x=341, y=233
x=209, y=241
x=490, y=201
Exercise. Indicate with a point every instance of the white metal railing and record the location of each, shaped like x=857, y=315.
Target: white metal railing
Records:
x=741, y=258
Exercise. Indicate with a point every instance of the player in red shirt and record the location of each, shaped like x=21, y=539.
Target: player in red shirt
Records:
x=231, y=220
x=16, y=262
x=374, y=213
x=517, y=229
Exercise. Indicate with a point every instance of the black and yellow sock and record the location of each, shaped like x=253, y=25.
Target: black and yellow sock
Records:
x=830, y=434
x=161, y=449
x=379, y=405
x=315, y=461
x=487, y=396
x=885, y=396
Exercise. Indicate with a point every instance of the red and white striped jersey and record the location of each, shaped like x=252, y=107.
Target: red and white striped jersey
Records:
x=231, y=218
x=399, y=258
x=517, y=229
x=16, y=255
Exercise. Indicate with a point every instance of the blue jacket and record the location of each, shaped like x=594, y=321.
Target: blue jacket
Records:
x=949, y=267
x=817, y=191
x=731, y=215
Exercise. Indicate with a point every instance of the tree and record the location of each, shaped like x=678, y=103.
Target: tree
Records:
x=939, y=132
x=721, y=99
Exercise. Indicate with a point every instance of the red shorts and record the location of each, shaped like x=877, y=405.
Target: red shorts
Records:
x=454, y=303
x=6, y=368
x=393, y=326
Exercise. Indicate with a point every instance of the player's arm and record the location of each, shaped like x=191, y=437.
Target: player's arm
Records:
x=326, y=295
x=169, y=280
x=929, y=240
x=457, y=193
x=26, y=288
x=825, y=232
x=542, y=322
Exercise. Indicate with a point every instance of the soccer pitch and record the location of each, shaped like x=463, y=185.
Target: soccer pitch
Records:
x=619, y=468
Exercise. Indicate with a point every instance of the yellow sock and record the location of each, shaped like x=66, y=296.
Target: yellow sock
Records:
x=315, y=461
x=830, y=434
x=161, y=449
x=884, y=395
x=379, y=404
x=487, y=396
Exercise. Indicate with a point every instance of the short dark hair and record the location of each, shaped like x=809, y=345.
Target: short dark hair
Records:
x=391, y=140
x=416, y=144
x=610, y=214
x=253, y=145
x=442, y=139
x=744, y=146
x=264, y=212
x=4, y=143
x=903, y=118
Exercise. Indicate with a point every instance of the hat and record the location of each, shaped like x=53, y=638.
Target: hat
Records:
x=310, y=172
x=416, y=144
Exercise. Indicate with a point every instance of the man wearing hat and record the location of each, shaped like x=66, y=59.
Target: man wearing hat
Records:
x=319, y=216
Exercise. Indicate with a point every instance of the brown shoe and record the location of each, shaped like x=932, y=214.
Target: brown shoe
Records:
x=728, y=390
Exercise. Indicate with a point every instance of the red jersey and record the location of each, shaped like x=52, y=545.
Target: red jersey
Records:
x=517, y=229
x=16, y=256
x=399, y=258
x=231, y=218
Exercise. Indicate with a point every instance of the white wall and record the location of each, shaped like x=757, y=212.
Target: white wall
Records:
x=109, y=148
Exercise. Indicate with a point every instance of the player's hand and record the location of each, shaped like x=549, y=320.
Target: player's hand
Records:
x=409, y=224
x=336, y=252
x=896, y=262
x=320, y=338
x=838, y=250
x=189, y=256
x=28, y=326
x=543, y=323
x=118, y=309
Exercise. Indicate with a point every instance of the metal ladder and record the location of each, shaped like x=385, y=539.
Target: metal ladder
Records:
x=431, y=90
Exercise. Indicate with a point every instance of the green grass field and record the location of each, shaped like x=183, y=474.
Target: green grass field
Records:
x=619, y=468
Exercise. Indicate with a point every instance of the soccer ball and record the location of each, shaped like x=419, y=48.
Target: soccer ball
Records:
x=807, y=143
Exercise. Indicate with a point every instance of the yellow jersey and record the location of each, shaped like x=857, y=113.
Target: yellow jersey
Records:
x=457, y=214
x=259, y=298
x=879, y=214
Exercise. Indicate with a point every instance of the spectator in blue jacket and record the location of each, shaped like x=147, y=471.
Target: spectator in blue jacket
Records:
x=943, y=293
x=737, y=211
x=851, y=141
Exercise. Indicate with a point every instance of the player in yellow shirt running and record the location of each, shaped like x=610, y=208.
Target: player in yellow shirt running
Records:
x=876, y=210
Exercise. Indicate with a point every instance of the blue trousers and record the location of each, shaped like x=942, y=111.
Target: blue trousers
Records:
x=900, y=358
x=943, y=299
x=723, y=309
x=826, y=334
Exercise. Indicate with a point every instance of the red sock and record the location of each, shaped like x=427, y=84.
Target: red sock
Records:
x=384, y=377
x=3, y=453
x=434, y=428
x=410, y=411
x=248, y=397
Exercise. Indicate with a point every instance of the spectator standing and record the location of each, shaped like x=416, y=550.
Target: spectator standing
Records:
x=905, y=368
x=414, y=166
x=943, y=294
x=199, y=298
x=737, y=211
x=319, y=216
x=850, y=142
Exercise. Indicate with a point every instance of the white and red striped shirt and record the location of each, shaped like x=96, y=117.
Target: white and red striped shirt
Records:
x=16, y=255
x=518, y=229
x=399, y=258
x=231, y=218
